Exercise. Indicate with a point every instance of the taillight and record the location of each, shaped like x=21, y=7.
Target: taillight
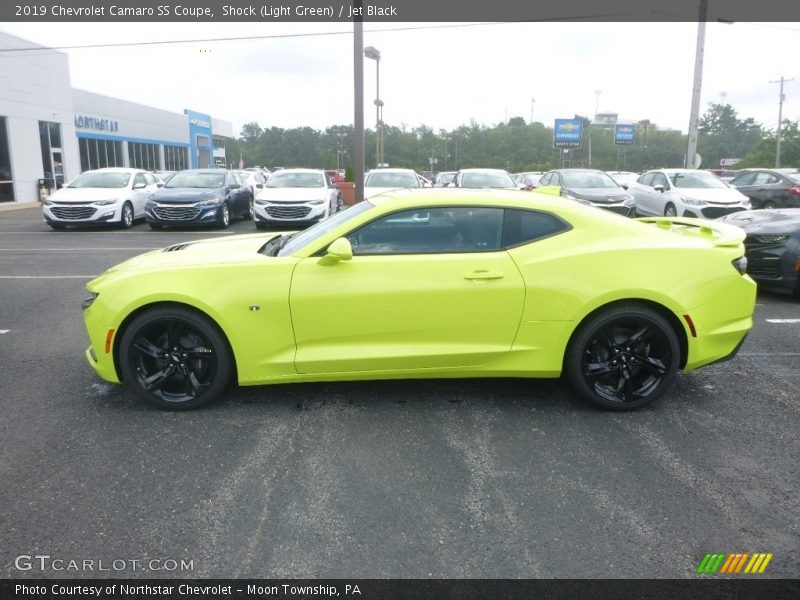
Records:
x=794, y=190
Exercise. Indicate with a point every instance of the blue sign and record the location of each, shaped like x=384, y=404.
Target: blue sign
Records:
x=568, y=133
x=624, y=134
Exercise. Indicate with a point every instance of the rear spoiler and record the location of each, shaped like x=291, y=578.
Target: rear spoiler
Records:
x=720, y=234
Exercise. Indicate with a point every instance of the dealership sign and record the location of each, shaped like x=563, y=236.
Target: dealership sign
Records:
x=624, y=134
x=82, y=122
x=568, y=133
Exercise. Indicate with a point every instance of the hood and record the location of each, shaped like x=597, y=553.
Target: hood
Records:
x=202, y=253
x=599, y=195
x=184, y=195
x=87, y=194
x=786, y=220
x=717, y=195
x=287, y=194
x=369, y=192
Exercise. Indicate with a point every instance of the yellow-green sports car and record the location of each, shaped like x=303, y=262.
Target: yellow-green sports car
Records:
x=429, y=284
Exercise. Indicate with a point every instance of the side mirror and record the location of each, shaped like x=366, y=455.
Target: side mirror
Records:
x=139, y=186
x=339, y=250
x=659, y=188
x=260, y=186
x=160, y=184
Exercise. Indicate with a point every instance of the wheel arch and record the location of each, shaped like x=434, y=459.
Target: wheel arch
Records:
x=168, y=304
x=669, y=315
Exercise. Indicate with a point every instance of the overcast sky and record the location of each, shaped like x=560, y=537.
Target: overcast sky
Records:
x=441, y=77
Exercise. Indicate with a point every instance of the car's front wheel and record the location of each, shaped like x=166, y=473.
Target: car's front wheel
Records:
x=224, y=218
x=670, y=211
x=126, y=216
x=623, y=358
x=175, y=358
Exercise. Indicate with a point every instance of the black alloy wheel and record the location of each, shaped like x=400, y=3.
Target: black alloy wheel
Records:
x=126, y=217
x=623, y=358
x=175, y=358
x=669, y=210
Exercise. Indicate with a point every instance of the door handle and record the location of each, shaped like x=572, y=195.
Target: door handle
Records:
x=484, y=274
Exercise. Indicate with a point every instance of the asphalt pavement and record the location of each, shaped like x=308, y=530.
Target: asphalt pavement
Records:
x=468, y=478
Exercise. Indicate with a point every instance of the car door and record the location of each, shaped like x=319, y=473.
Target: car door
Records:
x=140, y=192
x=425, y=289
x=650, y=201
x=769, y=190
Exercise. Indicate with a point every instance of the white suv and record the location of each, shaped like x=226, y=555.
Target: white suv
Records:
x=113, y=196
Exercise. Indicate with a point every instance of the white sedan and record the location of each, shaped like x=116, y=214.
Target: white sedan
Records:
x=685, y=193
x=296, y=196
x=378, y=181
x=112, y=196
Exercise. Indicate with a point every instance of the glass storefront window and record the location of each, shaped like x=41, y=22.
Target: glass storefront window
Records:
x=6, y=179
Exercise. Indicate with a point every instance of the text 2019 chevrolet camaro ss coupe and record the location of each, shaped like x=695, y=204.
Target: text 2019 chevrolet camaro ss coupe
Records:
x=429, y=284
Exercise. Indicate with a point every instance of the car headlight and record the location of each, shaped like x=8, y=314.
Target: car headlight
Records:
x=106, y=202
x=771, y=239
x=316, y=201
x=87, y=302
x=261, y=201
x=692, y=201
x=209, y=202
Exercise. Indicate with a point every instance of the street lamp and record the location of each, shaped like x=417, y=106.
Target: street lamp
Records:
x=532, y=101
x=374, y=54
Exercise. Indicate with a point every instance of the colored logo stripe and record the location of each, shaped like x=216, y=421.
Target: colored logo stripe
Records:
x=733, y=563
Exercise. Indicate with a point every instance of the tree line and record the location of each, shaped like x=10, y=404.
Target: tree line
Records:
x=519, y=146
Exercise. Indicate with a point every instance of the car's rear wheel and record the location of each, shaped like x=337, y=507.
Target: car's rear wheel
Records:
x=623, y=358
x=126, y=216
x=224, y=218
x=669, y=210
x=175, y=358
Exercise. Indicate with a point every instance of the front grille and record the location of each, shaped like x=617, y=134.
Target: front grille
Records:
x=288, y=212
x=176, y=213
x=713, y=212
x=764, y=270
x=753, y=243
x=73, y=212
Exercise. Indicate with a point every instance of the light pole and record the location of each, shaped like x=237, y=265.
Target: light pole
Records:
x=532, y=101
x=374, y=54
x=339, y=139
x=589, y=140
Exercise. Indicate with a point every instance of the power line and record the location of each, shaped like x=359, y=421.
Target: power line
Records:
x=310, y=34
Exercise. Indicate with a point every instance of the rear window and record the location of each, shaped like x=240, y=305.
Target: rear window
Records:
x=525, y=226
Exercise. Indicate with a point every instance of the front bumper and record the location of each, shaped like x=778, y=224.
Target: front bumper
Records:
x=81, y=213
x=773, y=265
x=177, y=214
x=286, y=212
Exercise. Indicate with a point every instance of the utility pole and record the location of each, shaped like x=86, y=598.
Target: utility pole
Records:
x=694, y=116
x=358, y=97
x=780, y=118
x=591, y=125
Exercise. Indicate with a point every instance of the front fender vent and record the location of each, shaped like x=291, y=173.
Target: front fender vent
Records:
x=176, y=247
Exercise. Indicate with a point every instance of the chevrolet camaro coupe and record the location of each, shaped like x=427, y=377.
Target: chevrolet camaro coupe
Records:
x=429, y=284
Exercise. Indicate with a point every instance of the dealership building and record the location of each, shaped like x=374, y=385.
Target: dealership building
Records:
x=51, y=132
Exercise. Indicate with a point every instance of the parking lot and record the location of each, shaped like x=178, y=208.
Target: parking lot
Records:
x=470, y=478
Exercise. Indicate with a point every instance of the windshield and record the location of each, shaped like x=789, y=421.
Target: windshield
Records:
x=698, y=179
x=487, y=180
x=101, y=180
x=312, y=233
x=392, y=180
x=191, y=179
x=296, y=180
x=588, y=180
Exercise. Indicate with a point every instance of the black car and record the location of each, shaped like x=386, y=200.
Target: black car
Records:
x=199, y=197
x=772, y=246
x=591, y=186
x=770, y=188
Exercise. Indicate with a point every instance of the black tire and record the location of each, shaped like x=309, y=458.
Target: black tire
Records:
x=224, y=216
x=175, y=358
x=249, y=212
x=57, y=227
x=260, y=225
x=623, y=358
x=155, y=226
x=670, y=211
x=126, y=216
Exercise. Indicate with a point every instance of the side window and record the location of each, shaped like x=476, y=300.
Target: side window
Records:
x=766, y=179
x=524, y=226
x=235, y=179
x=431, y=231
x=647, y=179
x=660, y=179
x=139, y=180
x=545, y=180
x=744, y=179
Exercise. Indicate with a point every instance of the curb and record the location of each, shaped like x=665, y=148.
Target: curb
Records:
x=9, y=206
